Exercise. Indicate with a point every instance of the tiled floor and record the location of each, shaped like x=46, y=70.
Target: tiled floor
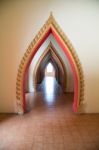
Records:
x=49, y=125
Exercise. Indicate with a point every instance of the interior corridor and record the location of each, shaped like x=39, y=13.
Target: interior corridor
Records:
x=50, y=124
x=49, y=95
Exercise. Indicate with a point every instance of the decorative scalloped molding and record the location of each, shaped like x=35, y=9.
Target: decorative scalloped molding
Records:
x=51, y=22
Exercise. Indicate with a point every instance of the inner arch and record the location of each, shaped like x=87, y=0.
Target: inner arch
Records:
x=50, y=54
x=49, y=68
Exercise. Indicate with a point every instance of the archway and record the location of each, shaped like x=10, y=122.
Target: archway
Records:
x=50, y=53
x=49, y=27
x=49, y=70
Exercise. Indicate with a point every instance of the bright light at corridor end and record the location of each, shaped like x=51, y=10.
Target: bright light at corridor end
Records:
x=49, y=68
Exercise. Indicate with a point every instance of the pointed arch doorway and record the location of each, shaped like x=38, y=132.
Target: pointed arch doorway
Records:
x=51, y=27
x=50, y=53
x=49, y=70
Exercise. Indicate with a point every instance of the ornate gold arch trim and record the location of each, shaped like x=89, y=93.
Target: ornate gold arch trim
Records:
x=51, y=26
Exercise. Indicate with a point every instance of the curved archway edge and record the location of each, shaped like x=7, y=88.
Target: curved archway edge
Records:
x=51, y=49
x=49, y=27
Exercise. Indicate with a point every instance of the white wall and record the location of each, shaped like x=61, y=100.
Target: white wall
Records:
x=69, y=81
x=20, y=22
